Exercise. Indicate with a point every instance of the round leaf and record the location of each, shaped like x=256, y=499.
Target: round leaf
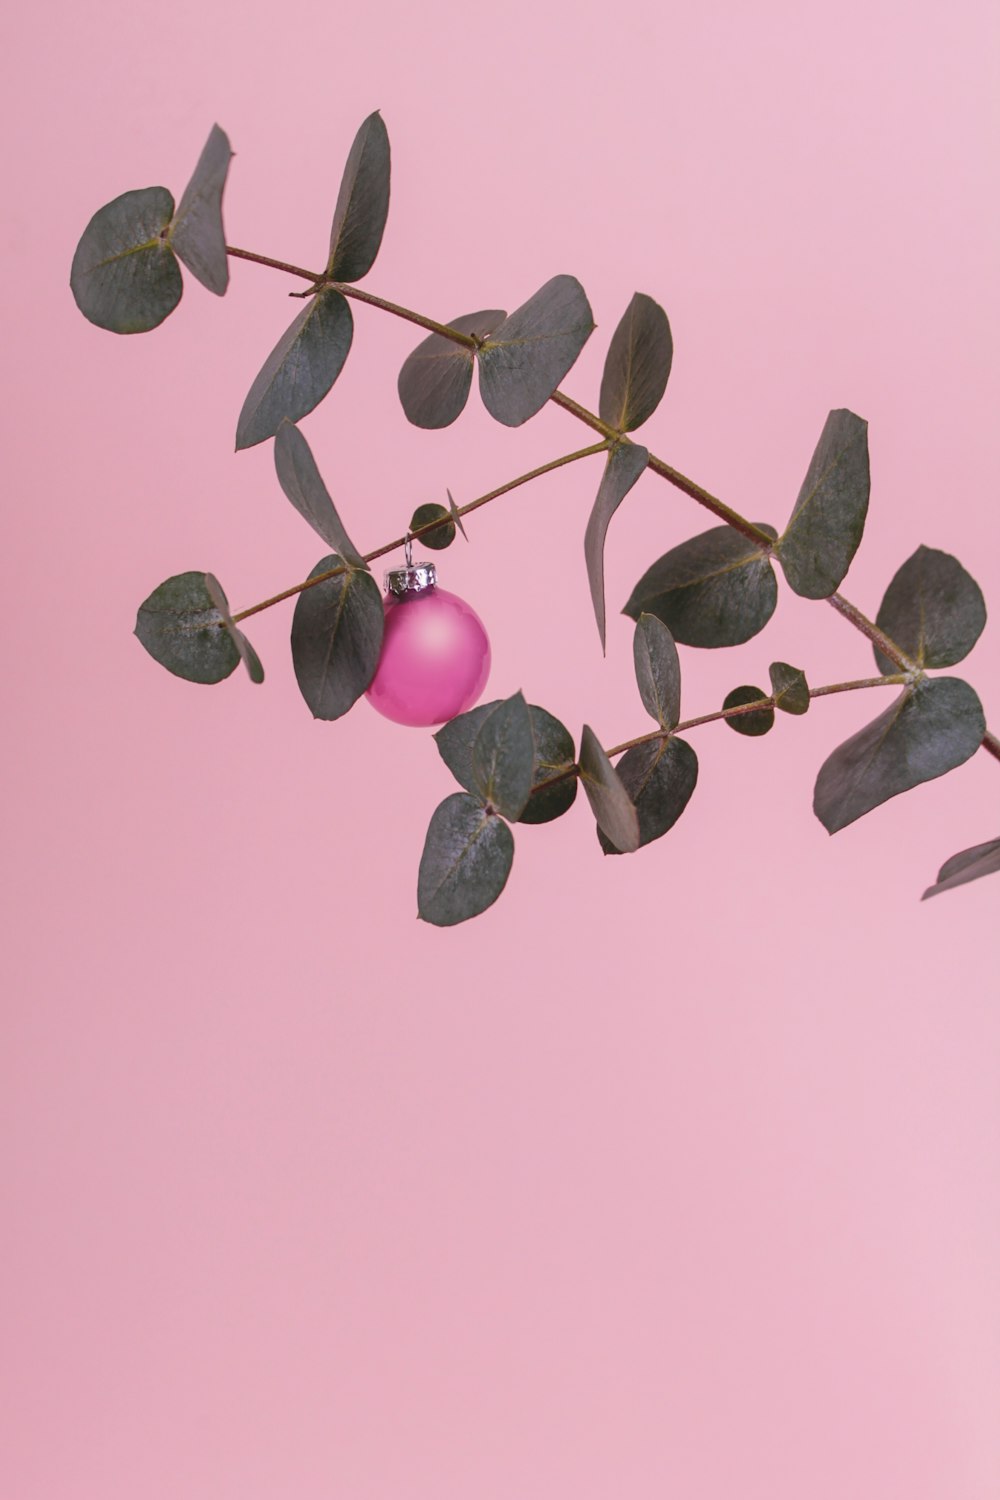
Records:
x=931, y=728
x=758, y=722
x=638, y=365
x=933, y=610
x=336, y=639
x=523, y=361
x=659, y=777
x=554, y=755
x=125, y=277
x=718, y=589
x=181, y=628
x=789, y=688
x=435, y=380
x=467, y=857
x=503, y=758
x=439, y=537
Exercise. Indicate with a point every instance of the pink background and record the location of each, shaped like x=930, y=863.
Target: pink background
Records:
x=671, y=1176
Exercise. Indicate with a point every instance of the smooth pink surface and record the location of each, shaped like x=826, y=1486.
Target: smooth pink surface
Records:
x=435, y=659
x=673, y=1176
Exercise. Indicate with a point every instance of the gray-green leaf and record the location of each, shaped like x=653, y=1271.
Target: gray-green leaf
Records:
x=125, y=277
x=931, y=728
x=196, y=233
x=609, y=801
x=438, y=537
x=336, y=639
x=659, y=777
x=638, y=365
x=933, y=610
x=553, y=755
x=302, y=483
x=467, y=857
x=503, y=758
x=625, y=464
x=181, y=628
x=523, y=361
x=718, y=589
x=435, y=379
x=248, y=655
x=657, y=671
x=362, y=204
x=829, y=516
x=789, y=688
x=300, y=369
x=970, y=864
x=759, y=721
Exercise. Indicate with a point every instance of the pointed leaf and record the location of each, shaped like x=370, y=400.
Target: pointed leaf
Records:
x=657, y=671
x=789, y=688
x=503, y=758
x=553, y=755
x=757, y=722
x=438, y=537
x=933, y=610
x=300, y=369
x=659, y=777
x=829, y=516
x=638, y=365
x=362, y=204
x=181, y=628
x=523, y=361
x=125, y=277
x=467, y=857
x=931, y=728
x=248, y=655
x=625, y=464
x=435, y=380
x=718, y=589
x=302, y=483
x=336, y=639
x=970, y=864
x=609, y=801
x=196, y=233
x=456, y=515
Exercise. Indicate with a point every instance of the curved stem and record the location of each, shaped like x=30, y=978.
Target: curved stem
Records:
x=875, y=635
x=726, y=713
x=680, y=481
x=461, y=510
x=277, y=265
x=755, y=707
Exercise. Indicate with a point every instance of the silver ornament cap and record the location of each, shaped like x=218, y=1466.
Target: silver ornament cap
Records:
x=415, y=578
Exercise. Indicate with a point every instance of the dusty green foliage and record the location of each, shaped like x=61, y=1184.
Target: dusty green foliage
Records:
x=758, y=721
x=516, y=762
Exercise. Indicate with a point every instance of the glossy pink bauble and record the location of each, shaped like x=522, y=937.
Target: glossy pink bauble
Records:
x=435, y=659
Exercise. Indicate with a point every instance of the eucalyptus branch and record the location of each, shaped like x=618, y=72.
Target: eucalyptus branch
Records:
x=710, y=502
x=516, y=762
x=755, y=706
x=418, y=531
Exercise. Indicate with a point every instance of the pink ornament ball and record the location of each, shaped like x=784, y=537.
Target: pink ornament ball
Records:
x=435, y=659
